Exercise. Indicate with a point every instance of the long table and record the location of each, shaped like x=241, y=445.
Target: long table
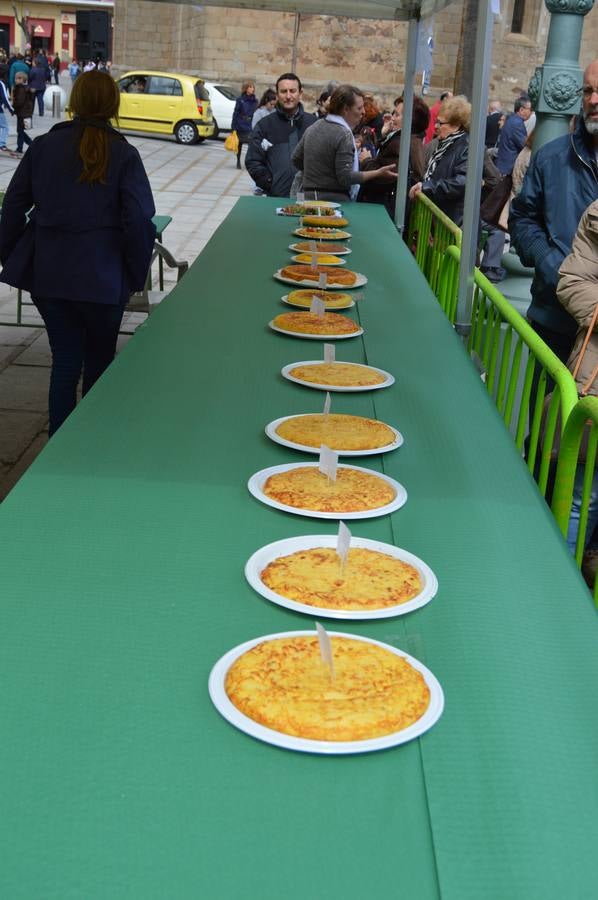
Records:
x=122, y=557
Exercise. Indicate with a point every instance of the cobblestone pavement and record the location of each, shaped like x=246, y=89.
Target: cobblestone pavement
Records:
x=195, y=185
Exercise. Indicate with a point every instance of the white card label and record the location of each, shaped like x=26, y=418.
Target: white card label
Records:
x=328, y=462
x=327, y=404
x=329, y=353
x=300, y=196
x=313, y=247
x=325, y=648
x=343, y=543
x=314, y=261
x=323, y=281
x=317, y=306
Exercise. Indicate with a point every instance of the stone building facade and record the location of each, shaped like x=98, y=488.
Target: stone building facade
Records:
x=228, y=45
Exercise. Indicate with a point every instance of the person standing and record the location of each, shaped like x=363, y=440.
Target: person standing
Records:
x=89, y=241
x=17, y=65
x=56, y=68
x=274, y=139
x=4, y=104
x=37, y=82
x=245, y=106
x=267, y=104
x=327, y=154
x=74, y=70
x=22, y=98
x=561, y=182
x=434, y=110
x=493, y=120
x=513, y=136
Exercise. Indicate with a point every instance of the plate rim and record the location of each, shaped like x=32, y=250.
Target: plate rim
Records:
x=270, y=430
x=285, y=299
x=266, y=554
x=337, y=388
x=239, y=720
x=322, y=237
x=340, y=259
x=257, y=479
x=341, y=287
x=345, y=252
x=315, y=337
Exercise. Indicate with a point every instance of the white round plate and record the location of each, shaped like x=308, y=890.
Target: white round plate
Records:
x=341, y=235
x=297, y=249
x=286, y=370
x=219, y=697
x=338, y=262
x=257, y=481
x=315, y=337
x=325, y=204
x=265, y=555
x=360, y=280
x=347, y=305
x=271, y=432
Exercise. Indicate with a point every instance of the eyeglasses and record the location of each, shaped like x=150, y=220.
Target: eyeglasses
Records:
x=587, y=91
x=441, y=122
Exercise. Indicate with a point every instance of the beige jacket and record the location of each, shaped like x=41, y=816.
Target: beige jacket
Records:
x=578, y=292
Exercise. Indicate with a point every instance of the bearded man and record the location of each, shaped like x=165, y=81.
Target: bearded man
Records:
x=560, y=184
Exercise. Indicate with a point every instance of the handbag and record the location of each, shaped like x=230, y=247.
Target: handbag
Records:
x=582, y=391
x=232, y=142
x=495, y=202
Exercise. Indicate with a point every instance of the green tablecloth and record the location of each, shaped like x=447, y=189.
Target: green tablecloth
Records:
x=122, y=556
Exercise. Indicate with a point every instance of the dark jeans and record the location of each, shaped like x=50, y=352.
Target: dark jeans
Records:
x=40, y=101
x=82, y=336
x=22, y=136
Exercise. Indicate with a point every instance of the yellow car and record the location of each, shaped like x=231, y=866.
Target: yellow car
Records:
x=165, y=103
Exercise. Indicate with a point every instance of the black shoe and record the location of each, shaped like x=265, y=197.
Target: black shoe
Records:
x=238, y=164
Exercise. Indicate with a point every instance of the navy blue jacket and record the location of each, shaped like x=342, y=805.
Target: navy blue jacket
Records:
x=271, y=147
x=245, y=107
x=38, y=78
x=560, y=184
x=511, y=142
x=90, y=242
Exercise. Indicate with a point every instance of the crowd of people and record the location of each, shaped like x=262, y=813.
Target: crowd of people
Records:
x=24, y=78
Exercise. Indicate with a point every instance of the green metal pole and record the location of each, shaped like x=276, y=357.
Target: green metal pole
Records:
x=554, y=88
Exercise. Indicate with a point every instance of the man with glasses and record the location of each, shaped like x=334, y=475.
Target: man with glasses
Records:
x=560, y=184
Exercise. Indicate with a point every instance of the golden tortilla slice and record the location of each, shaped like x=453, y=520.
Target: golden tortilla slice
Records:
x=306, y=488
x=337, y=430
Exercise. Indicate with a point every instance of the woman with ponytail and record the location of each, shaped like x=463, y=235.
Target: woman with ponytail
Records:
x=76, y=232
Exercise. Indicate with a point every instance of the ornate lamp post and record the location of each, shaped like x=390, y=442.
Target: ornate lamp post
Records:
x=554, y=88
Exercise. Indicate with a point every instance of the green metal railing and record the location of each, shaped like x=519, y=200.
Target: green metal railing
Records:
x=447, y=291
x=430, y=233
x=516, y=366
x=576, y=452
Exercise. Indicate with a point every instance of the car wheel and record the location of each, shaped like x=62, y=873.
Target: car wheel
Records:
x=186, y=133
x=216, y=130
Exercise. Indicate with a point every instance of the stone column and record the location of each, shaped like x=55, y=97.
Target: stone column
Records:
x=554, y=88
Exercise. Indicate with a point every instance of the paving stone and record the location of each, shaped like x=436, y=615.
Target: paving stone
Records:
x=15, y=472
x=10, y=336
x=17, y=431
x=37, y=354
x=25, y=388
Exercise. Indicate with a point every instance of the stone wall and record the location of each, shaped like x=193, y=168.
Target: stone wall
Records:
x=228, y=45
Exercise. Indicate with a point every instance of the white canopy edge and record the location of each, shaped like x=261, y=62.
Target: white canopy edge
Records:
x=395, y=10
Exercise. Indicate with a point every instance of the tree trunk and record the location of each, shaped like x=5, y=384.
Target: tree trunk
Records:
x=466, y=52
x=22, y=23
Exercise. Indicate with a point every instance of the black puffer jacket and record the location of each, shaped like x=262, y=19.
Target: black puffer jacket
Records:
x=446, y=186
x=271, y=147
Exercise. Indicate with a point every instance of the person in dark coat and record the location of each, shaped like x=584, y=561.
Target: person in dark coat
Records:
x=22, y=100
x=90, y=237
x=37, y=81
x=444, y=178
x=513, y=136
x=245, y=107
x=56, y=68
x=275, y=138
x=388, y=153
